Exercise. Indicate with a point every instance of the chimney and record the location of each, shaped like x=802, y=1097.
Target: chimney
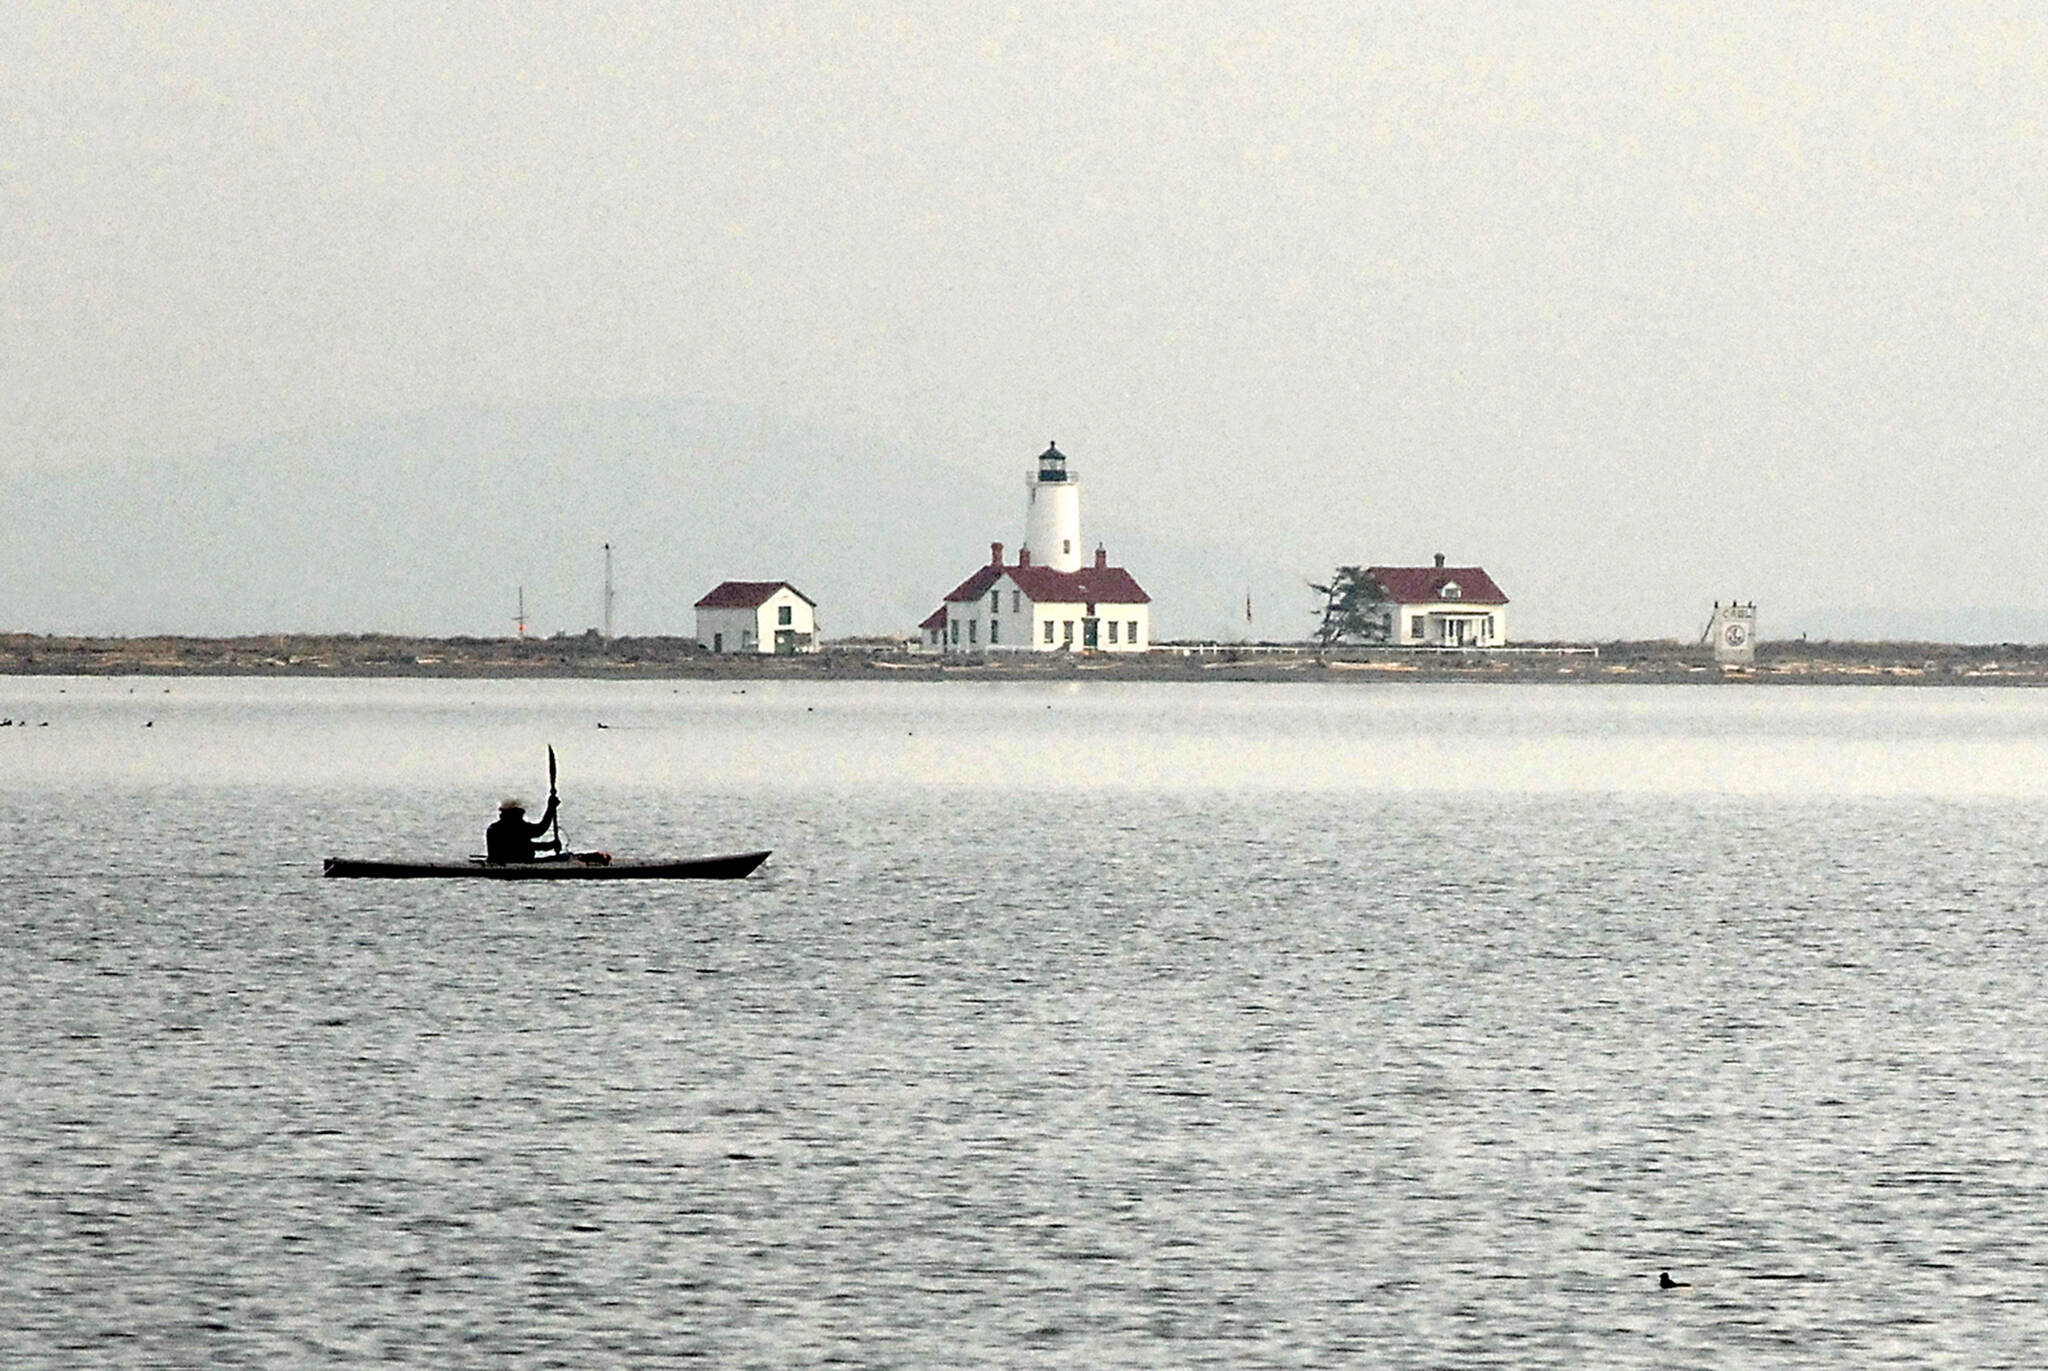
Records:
x=1023, y=556
x=1439, y=559
x=1101, y=556
x=995, y=554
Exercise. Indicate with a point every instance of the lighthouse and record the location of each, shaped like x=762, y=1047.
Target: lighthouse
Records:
x=1050, y=600
x=1052, y=518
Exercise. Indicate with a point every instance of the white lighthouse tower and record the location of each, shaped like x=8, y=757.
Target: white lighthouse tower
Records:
x=1049, y=600
x=1052, y=521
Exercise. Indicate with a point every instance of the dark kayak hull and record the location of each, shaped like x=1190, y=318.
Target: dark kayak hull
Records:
x=726, y=868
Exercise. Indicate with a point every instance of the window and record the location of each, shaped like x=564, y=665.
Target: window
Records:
x=718, y=642
x=1415, y=628
x=973, y=628
x=782, y=616
x=1132, y=637
x=995, y=631
x=1488, y=633
x=1048, y=630
x=1067, y=634
x=1067, y=546
x=955, y=623
x=1451, y=591
x=1112, y=630
x=1016, y=602
x=995, y=602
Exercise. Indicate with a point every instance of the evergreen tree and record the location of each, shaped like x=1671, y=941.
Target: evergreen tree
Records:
x=1355, y=609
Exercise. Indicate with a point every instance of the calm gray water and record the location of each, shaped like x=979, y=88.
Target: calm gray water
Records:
x=1069, y=1026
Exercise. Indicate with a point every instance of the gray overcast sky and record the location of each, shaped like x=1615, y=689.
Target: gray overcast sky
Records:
x=1636, y=304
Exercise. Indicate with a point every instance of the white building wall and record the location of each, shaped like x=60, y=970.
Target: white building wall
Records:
x=1405, y=616
x=968, y=625
x=1061, y=616
x=1021, y=624
x=802, y=621
x=728, y=630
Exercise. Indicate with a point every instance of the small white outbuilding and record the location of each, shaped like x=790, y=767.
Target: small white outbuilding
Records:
x=757, y=616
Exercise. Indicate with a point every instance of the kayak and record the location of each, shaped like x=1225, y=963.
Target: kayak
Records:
x=579, y=866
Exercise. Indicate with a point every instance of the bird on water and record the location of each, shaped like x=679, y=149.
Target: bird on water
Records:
x=1664, y=1282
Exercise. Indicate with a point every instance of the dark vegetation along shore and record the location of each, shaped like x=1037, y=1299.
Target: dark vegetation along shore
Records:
x=665, y=658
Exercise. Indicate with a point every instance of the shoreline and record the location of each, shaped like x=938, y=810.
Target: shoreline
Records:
x=587, y=657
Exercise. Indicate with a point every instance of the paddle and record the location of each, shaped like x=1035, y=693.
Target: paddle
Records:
x=553, y=799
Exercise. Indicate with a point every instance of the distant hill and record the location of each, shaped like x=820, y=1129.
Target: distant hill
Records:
x=429, y=523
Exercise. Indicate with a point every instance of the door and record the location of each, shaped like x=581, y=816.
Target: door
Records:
x=785, y=641
x=1089, y=628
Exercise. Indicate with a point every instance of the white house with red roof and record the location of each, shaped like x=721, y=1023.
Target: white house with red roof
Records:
x=757, y=616
x=1054, y=605
x=1443, y=606
x=1027, y=608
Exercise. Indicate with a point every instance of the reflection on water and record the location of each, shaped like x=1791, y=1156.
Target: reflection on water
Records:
x=1262, y=1026
x=757, y=736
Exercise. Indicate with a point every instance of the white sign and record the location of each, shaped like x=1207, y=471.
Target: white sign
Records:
x=1734, y=634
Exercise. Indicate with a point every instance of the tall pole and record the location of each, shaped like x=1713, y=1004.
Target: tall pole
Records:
x=607, y=592
x=522, y=611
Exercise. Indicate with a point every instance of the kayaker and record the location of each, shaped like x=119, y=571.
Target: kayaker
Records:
x=512, y=838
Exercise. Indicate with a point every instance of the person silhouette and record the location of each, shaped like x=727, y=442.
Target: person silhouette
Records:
x=512, y=838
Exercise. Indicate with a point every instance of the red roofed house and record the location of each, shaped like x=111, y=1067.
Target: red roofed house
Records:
x=1055, y=606
x=1026, y=608
x=1443, y=606
x=757, y=616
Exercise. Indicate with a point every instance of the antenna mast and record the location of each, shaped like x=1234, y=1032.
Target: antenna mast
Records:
x=521, y=620
x=607, y=592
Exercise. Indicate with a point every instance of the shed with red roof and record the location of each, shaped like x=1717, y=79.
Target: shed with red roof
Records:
x=757, y=616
